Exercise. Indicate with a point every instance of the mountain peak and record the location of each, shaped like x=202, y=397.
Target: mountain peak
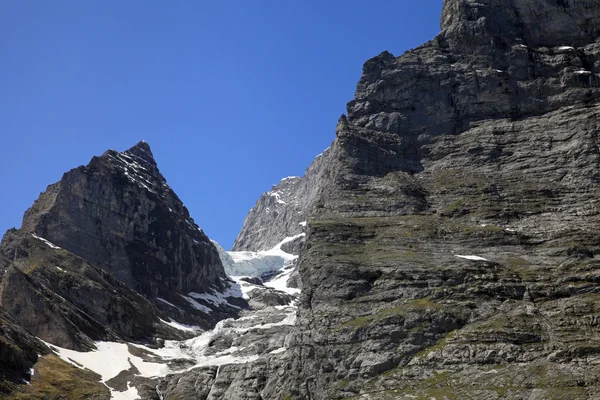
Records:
x=142, y=152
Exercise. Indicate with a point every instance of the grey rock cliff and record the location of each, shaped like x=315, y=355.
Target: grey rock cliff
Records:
x=119, y=214
x=279, y=212
x=452, y=240
x=108, y=253
x=482, y=142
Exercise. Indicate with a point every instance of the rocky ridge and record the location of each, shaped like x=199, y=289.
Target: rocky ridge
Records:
x=109, y=253
x=452, y=237
x=282, y=211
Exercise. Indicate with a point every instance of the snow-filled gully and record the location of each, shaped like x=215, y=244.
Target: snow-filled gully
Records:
x=248, y=332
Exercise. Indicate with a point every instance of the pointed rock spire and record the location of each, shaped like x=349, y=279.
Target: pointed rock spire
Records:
x=143, y=154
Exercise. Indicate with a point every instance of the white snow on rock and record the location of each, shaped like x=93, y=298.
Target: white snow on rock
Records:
x=45, y=241
x=475, y=258
x=277, y=197
x=279, y=350
x=217, y=298
x=130, y=394
x=183, y=327
x=303, y=223
x=109, y=360
x=280, y=282
x=245, y=287
x=166, y=302
x=195, y=348
x=197, y=305
x=134, y=171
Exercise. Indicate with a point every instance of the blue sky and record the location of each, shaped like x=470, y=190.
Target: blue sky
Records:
x=231, y=95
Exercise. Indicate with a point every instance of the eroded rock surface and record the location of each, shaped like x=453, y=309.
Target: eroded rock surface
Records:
x=282, y=211
x=109, y=253
x=452, y=249
x=119, y=213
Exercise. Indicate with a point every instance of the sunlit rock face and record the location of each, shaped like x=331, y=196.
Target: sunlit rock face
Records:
x=119, y=213
x=282, y=211
x=452, y=247
x=107, y=253
x=538, y=23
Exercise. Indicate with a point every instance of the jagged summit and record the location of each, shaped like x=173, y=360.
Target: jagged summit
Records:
x=142, y=153
x=119, y=214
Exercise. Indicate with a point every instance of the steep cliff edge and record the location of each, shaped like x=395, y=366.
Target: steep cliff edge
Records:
x=452, y=251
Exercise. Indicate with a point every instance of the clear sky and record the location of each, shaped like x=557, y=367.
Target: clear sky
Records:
x=231, y=95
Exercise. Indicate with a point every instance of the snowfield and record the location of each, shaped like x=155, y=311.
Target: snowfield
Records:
x=257, y=263
x=112, y=358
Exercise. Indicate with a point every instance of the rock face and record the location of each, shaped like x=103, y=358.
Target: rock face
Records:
x=108, y=253
x=452, y=250
x=119, y=214
x=452, y=239
x=282, y=211
x=18, y=352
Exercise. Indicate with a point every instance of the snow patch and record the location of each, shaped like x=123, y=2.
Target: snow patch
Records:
x=474, y=258
x=130, y=394
x=182, y=327
x=303, y=223
x=280, y=283
x=277, y=197
x=45, y=241
x=109, y=360
x=257, y=263
x=197, y=305
x=218, y=298
x=320, y=154
x=166, y=302
x=245, y=287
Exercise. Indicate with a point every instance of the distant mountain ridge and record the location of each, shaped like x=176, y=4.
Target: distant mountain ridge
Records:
x=281, y=212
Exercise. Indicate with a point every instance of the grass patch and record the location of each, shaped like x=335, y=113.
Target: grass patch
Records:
x=56, y=379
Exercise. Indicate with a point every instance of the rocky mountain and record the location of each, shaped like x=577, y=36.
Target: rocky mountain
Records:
x=119, y=213
x=109, y=253
x=282, y=211
x=450, y=252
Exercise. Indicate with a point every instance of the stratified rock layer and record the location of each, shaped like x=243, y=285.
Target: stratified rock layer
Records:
x=119, y=214
x=452, y=251
x=109, y=253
